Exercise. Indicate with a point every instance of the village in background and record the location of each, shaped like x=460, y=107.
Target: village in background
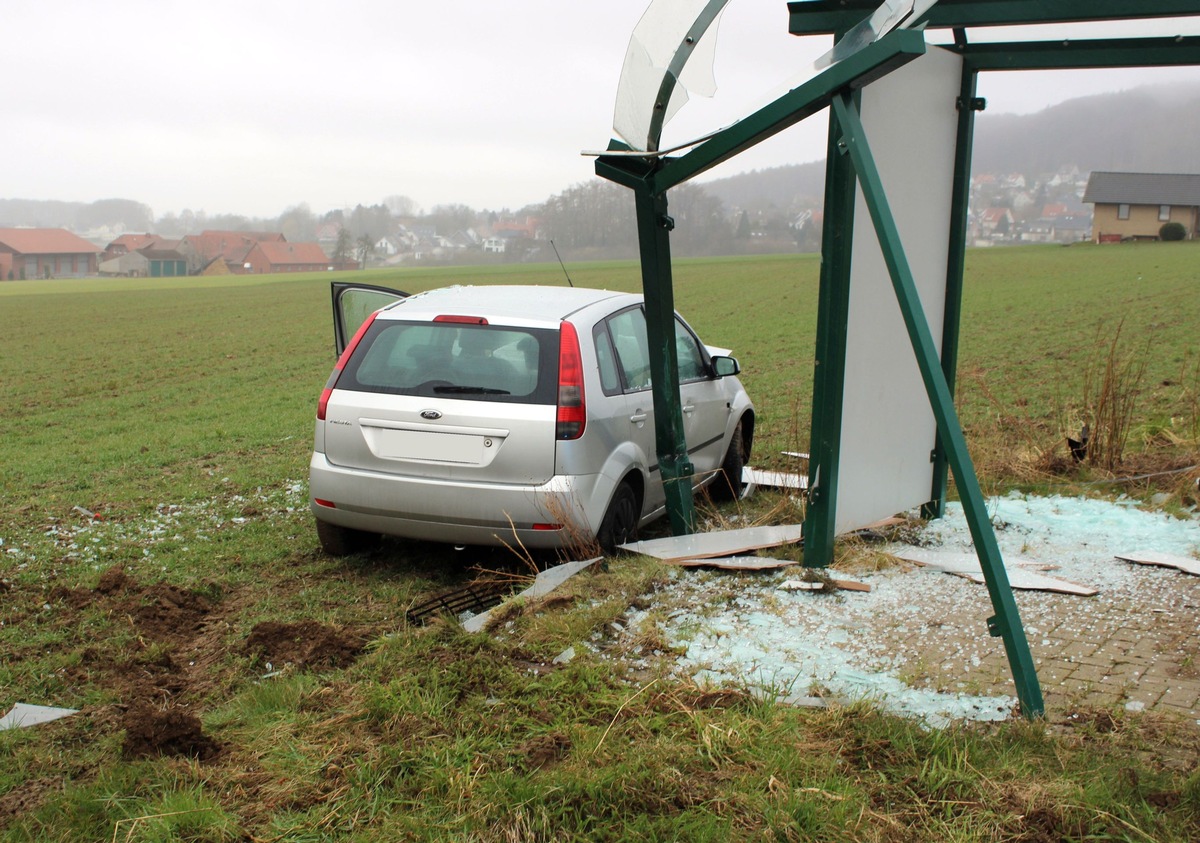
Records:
x=1065, y=175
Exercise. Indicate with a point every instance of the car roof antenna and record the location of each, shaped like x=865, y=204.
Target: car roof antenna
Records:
x=560, y=263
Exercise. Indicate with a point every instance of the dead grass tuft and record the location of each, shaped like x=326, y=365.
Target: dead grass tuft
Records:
x=1112, y=383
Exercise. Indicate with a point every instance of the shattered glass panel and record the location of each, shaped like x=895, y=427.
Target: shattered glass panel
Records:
x=890, y=15
x=674, y=43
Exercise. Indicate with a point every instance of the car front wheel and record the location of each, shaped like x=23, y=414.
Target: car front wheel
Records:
x=728, y=484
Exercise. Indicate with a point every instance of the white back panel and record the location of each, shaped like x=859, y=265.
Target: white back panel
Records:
x=888, y=427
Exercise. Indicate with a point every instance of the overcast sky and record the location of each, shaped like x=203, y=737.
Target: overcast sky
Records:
x=256, y=105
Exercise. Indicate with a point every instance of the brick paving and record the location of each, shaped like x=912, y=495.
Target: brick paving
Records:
x=1105, y=651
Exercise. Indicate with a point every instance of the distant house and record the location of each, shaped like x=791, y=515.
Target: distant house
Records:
x=127, y=243
x=530, y=227
x=126, y=265
x=327, y=232
x=996, y=223
x=159, y=259
x=1074, y=228
x=1037, y=231
x=164, y=260
x=232, y=247
x=45, y=253
x=1131, y=206
x=388, y=245
x=464, y=239
x=286, y=257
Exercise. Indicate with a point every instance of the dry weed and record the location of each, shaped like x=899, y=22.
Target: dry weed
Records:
x=1112, y=383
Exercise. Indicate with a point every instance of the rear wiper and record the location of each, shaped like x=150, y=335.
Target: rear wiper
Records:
x=471, y=390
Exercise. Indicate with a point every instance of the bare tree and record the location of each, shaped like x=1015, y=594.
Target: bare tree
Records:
x=343, y=250
x=401, y=206
x=298, y=224
x=366, y=249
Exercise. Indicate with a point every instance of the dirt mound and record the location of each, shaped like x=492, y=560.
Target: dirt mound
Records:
x=74, y=598
x=114, y=580
x=167, y=612
x=177, y=630
x=305, y=644
x=150, y=732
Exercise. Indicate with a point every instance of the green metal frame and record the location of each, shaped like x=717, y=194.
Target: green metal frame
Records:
x=658, y=175
x=1072, y=55
x=1006, y=623
x=968, y=104
x=849, y=163
x=654, y=230
x=829, y=371
x=825, y=17
x=651, y=177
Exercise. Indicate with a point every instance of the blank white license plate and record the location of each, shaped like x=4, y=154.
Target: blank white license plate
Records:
x=429, y=447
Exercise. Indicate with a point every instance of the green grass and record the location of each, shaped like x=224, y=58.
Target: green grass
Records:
x=181, y=412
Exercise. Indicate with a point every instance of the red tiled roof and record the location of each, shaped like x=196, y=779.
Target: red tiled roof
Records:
x=133, y=242
x=257, y=236
x=282, y=254
x=233, y=246
x=45, y=241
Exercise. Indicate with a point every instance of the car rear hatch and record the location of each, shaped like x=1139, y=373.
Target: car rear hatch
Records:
x=449, y=399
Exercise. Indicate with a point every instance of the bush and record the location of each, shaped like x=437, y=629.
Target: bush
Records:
x=1172, y=231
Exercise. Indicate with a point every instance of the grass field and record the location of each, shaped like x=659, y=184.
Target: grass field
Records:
x=237, y=684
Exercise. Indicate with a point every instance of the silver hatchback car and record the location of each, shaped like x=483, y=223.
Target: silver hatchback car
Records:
x=508, y=415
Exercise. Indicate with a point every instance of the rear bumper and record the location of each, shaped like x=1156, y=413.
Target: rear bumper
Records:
x=457, y=512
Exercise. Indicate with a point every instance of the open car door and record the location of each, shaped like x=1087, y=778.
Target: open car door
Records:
x=353, y=303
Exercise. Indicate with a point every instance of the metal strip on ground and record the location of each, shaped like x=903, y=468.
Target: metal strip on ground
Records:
x=1164, y=560
x=718, y=543
x=967, y=565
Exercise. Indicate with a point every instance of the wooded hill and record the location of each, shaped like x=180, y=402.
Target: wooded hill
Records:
x=1150, y=129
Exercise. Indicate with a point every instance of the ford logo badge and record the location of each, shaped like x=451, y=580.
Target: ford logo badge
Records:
x=431, y=415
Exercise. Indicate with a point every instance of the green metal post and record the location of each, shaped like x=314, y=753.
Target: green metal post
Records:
x=654, y=229
x=960, y=199
x=829, y=370
x=1006, y=623
x=812, y=17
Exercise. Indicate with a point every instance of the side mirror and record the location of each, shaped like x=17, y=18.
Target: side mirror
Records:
x=725, y=366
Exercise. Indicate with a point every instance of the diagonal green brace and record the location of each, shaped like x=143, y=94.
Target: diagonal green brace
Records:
x=1006, y=623
x=674, y=465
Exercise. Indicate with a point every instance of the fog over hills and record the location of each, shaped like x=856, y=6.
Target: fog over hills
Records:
x=1148, y=129
x=1151, y=129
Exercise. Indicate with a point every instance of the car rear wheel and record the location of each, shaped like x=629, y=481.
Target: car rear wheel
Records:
x=337, y=540
x=728, y=484
x=620, y=522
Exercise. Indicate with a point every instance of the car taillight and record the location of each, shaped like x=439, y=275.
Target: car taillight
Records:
x=323, y=402
x=466, y=320
x=572, y=412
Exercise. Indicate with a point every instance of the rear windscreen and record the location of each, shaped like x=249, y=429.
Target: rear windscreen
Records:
x=447, y=359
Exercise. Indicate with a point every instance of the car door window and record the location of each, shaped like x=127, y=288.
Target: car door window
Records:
x=690, y=355
x=628, y=339
x=628, y=329
x=353, y=303
x=606, y=359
